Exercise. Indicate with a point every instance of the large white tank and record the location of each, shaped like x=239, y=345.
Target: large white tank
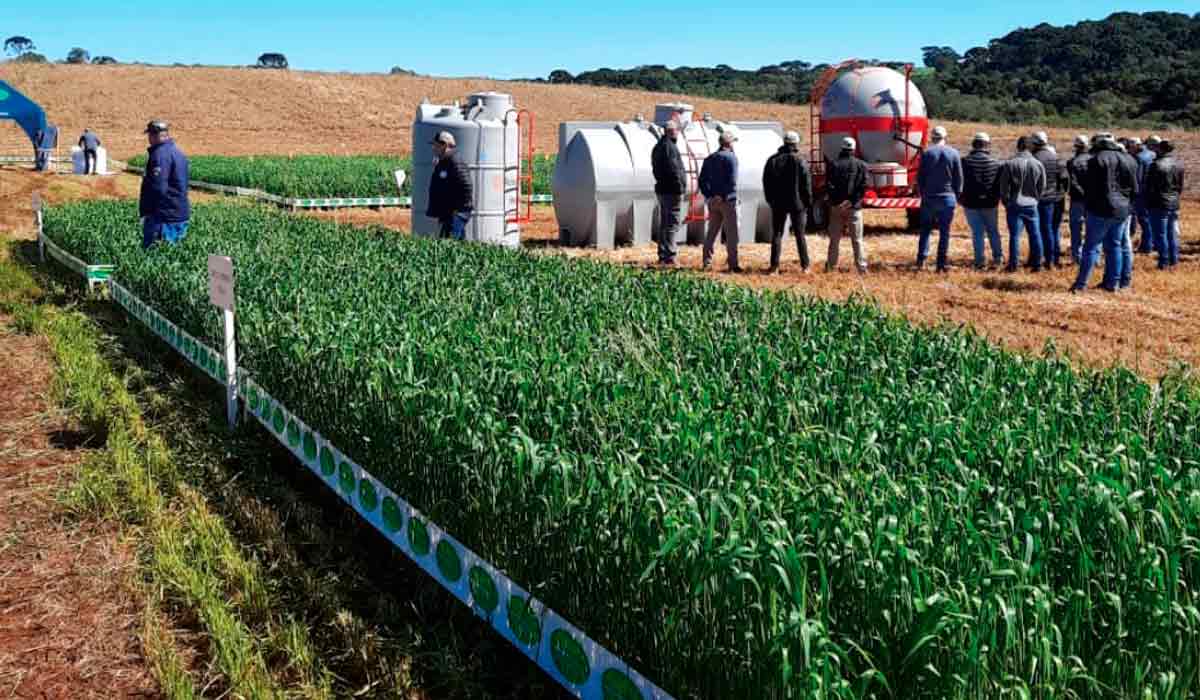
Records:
x=487, y=136
x=868, y=104
x=604, y=184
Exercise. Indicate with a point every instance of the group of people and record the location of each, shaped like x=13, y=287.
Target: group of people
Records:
x=1113, y=186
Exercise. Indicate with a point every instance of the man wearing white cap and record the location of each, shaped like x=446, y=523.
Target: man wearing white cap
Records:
x=718, y=184
x=846, y=186
x=940, y=182
x=980, y=199
x=787, y=185
x=1076, y=169
x=1050, y=202
x=451, y=198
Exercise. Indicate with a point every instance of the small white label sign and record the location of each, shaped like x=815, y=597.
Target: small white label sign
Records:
x=220, y=281
x=37, y=202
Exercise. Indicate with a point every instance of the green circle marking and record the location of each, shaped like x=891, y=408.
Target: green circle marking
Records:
x=569, y=657
x=293, y=434
x=418, y=536
x=278, y=423
x=368, y=497
x=448, y=562
x=310, y=446
x=392, y=518
x=525, y=626
x=252, y=400
x=327, y=464
x=615, y=685
x=483, y=589
x=346, y=477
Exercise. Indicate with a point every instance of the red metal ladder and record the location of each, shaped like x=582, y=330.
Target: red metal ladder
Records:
x=524, y=169
x=695, y=199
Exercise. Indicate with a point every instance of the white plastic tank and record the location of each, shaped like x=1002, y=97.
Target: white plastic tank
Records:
x=78, y=163
x=866, y=104
x=487, y=136
x=604, y=184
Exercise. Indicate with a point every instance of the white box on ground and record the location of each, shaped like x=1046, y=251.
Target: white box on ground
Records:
x=220, y=281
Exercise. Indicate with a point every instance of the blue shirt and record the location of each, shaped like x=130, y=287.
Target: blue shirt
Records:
x=941, y=173
x=1145, y=158
x=165, y=184
x=89, y=141
x=719, y=174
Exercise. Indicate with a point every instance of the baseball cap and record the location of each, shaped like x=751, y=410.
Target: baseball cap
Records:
x=672, y=124
x=1040, y=138
x=982, y=137
x=157, y=126
x=444, y=137
x=848, y=144
x=1081, y=141
x=1153, y=140
x=791, y=137
x=728, y=137
x=939, y=132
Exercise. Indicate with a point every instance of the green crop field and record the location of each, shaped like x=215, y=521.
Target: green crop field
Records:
x=322, y=176
x=744, y=495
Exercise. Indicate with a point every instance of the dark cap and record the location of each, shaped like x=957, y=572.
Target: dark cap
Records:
x=157, y=126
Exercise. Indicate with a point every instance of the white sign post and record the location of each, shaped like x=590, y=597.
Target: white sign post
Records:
x=220, y=293
x=37, y=215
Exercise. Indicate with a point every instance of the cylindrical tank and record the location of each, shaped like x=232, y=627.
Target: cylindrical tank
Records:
x=487, y=137
x=604, y=184
x=866, y=104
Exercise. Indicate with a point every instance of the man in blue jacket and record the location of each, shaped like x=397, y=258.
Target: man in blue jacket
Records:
x=718, y=184
x=940, y=182
x=90, y=143
x=164, y=205
x=1144, y=155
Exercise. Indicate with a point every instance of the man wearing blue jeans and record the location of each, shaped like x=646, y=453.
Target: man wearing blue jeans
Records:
x=1019, y=183
x=980, y=198
x=1164, y=187
x=1110, y=186
x=1050, y=202
x=1076, y=173
x=1144, y=155
x=940, y=182
x=163, y=203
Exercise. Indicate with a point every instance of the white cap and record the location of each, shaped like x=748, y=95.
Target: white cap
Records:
x=982, y=137
x=1153, y=140
x=848, y=144
x=939, y=133
x=445, y=138
x=1040, y=138
x=727, y=137
x=791, y=137
x=672, y=124
x=1081, y=141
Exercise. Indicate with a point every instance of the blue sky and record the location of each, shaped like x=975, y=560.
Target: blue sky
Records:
x=529, y=39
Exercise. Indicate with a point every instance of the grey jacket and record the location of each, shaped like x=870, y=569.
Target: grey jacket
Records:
x=1021, y=181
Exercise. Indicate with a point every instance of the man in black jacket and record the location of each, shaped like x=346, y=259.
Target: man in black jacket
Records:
x=787, y=185
x=980, y=199
x=1076, y=176
x=1109, y=188
x=1164, y=185
x=846, y=186
x=1050, y=203
x=670, y=185
x=451, y=198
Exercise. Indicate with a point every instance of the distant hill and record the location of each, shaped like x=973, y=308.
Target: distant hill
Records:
x=1128, y=68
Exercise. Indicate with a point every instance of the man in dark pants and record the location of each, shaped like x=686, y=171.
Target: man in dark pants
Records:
x=451, y=198
x=1076, y=175
x=980, y=200
x=89, y=142
x=1110, y=187
x=1164, y=187
x=670, y=186
x=164, y=204
x=787, y=185
x=1050, y=202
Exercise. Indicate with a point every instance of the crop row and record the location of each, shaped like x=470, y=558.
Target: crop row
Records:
x=744, y=495
x=322, y=176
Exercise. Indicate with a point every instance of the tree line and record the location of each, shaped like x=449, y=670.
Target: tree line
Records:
x=1127, y=68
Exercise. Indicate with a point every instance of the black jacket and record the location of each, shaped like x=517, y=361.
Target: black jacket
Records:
x=787, y=183
x=1111, y=182
x=846, y=180
x=669, y=175
x=1077, y=175
x=1056, y=175
x=980, y=189
x=449, y=189
x=1164, y=183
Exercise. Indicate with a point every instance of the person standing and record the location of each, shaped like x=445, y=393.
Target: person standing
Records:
x=1022, y=180
x=451, y=197
x=940, y=182
x=164, y=205
x=787, y=185
x=1076, y=169
x=846, y=186
x=1145, y=157
x=670, y=186
x=1164, y=186
x=89, y=142
x=718, y=184
x=1050, y=202
x=980, y=199
x=1126, y=270
x=1109, y=188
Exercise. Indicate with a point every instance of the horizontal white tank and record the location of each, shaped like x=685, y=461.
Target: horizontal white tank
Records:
x=604, y=184
x=865, y=103
x=487, y=136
